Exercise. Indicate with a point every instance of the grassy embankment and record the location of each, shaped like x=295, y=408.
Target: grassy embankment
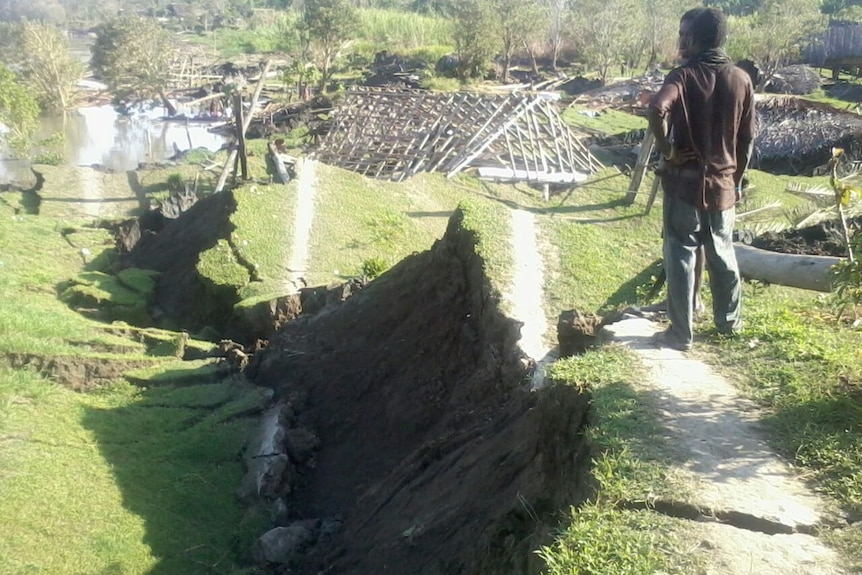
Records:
x=140, y=478
x=160, y=460
x=122, y=479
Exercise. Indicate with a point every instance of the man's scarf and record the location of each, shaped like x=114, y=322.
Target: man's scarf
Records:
x=712, y=57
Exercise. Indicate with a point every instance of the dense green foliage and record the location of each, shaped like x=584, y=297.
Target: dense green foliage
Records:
x=328, y=26
x=46, y=65
x=132, y=55
x=18, y=111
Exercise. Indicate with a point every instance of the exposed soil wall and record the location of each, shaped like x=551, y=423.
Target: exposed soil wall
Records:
x=434, y=457
x=183, y=297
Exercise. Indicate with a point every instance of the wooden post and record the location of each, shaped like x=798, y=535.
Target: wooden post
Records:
x=653, y=193
x=232, y=156
x=640, y=166
x=240, y=135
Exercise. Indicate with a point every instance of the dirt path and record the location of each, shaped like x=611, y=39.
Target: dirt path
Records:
x=738, y=478
x=91, y=189
x=298, y=262
x=526, y=292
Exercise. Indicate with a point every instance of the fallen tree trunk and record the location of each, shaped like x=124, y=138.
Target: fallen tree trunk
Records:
x=283, y=176
x=799, y=271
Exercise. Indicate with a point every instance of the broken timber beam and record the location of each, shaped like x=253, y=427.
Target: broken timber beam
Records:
x=283, y=176
x=640, y=167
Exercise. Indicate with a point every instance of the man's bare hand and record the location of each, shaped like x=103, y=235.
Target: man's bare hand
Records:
x=679, y=156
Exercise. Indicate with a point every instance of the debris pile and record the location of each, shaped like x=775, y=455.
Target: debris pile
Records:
x=796, y=136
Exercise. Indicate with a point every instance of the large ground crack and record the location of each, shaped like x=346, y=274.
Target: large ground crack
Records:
x=738, y=519
x=426, y=452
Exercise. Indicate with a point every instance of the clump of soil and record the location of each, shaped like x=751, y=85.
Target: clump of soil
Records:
x=433, y=456
x=825, y=239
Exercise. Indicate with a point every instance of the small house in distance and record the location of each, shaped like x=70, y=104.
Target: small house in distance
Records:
x=840, y=47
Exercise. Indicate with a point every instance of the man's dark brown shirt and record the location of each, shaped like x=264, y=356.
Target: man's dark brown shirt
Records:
x=710, y=109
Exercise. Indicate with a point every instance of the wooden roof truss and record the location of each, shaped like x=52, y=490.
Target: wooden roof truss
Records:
x=395, y=134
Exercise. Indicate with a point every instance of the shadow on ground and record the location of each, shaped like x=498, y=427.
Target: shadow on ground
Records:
x=175, y=455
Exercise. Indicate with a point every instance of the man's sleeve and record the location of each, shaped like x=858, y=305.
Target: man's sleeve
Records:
x=669, y=93
x=745, y=137
x=747, y=127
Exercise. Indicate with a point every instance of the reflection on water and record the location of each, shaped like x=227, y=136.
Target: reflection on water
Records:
x=98, y=135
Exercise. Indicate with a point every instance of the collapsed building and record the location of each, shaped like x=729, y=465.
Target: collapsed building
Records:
x=394, y=134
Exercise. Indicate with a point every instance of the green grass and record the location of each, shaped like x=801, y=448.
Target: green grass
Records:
x=121, y=481
x=630, y=464
x=401, y=31
x=32, y=319
x=608, y=121
x=605, y=251
x=805, y=368
x=264, y=233
x=794, y=357
x=358, y=218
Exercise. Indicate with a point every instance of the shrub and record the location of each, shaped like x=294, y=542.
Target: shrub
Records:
x=848, y=279
x=373, y=267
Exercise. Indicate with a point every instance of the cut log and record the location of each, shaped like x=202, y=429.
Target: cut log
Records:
x=283, y=176
x=793, y=270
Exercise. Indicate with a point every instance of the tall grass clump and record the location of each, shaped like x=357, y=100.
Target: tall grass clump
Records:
x=398, y=31
x=265, y=34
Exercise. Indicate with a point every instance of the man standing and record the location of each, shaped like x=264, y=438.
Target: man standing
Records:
x=708, y=106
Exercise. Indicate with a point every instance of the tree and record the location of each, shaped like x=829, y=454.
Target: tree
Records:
x=48, y=67
x=328, y=26
x=775, y=34
x=133, y=56
x=606, y=33
x=662, y=23
x=556, y=14
x=473, y=44
x=517, y=21
x=19, y=111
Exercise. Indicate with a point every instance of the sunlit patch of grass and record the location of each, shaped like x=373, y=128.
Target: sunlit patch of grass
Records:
x=122, y=480
x=607, y=121
x=806, y=370
x=630, y=463
x=605, y=541
x=358, y=218
x=604, y=252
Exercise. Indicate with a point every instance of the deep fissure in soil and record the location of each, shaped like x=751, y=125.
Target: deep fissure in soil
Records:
x=433, y=455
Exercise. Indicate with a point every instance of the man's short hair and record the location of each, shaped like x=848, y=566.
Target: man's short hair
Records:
x=709, y=28
x=691, y=14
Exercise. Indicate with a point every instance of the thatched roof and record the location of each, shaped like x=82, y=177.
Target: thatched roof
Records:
x=394, y=134
x=795, y=136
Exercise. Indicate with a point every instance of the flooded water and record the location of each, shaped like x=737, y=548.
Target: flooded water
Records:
x=98, y=135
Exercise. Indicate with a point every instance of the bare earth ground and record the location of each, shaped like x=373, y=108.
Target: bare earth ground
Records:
x=738, y=478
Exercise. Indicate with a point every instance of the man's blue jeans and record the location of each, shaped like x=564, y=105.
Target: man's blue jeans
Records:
x=685, y=228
